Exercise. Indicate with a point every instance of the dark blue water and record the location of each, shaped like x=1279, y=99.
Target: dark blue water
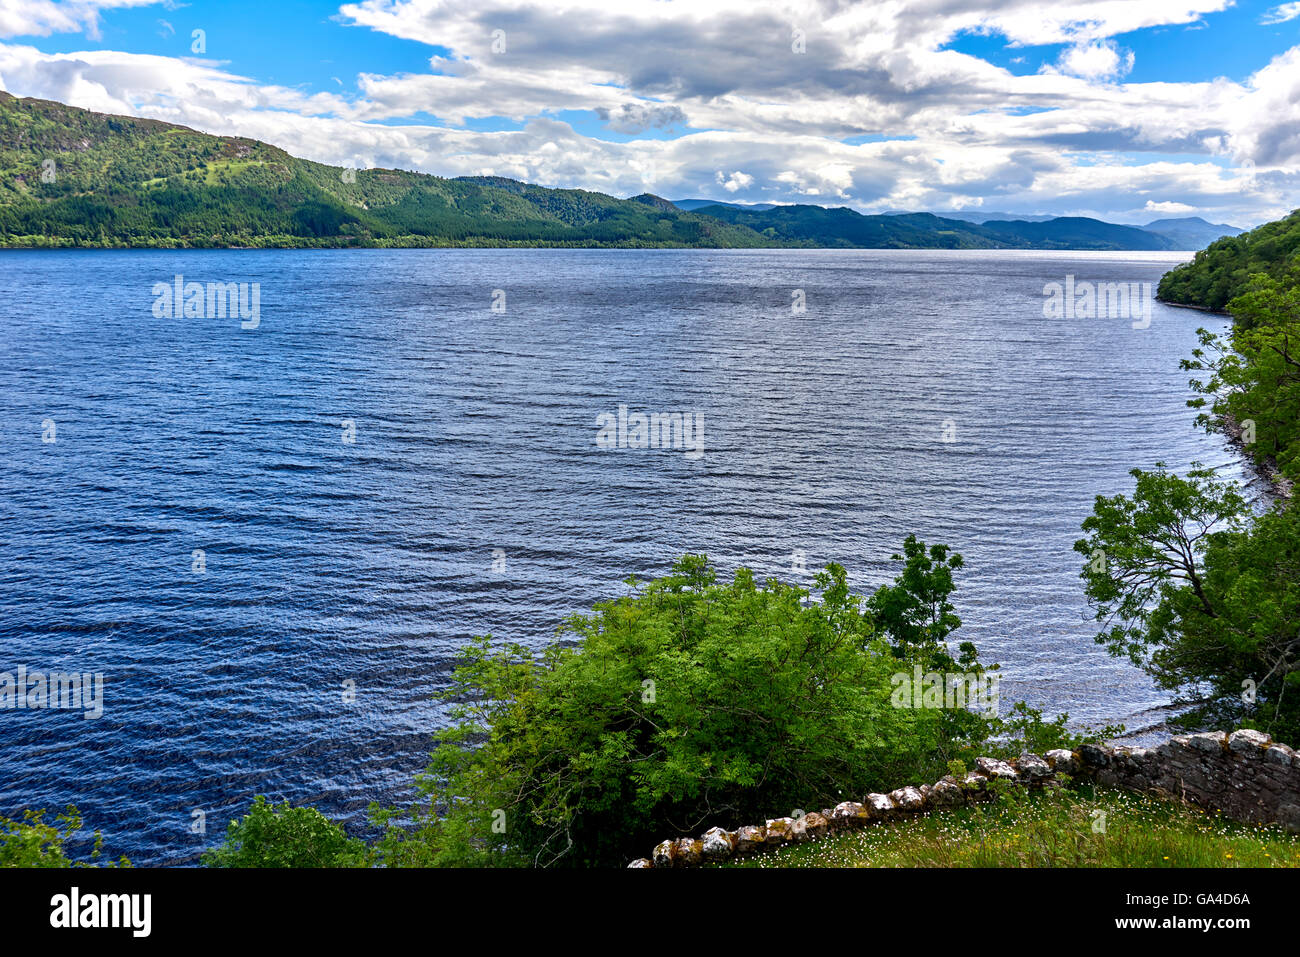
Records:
x=371, y=562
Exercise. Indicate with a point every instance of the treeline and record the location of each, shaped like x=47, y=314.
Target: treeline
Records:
x=1223, y=270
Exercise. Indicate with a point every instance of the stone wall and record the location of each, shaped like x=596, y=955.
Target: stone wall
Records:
x=1245, y=775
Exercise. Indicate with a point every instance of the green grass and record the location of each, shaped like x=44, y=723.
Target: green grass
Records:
x=1050, y=829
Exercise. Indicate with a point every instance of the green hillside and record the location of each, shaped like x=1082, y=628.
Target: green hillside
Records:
x=71, y=177
x=1222, y=271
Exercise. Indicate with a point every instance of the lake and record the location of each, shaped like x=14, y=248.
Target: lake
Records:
x=271, y=535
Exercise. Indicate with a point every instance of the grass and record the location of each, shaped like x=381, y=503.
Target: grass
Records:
x=1064, y=828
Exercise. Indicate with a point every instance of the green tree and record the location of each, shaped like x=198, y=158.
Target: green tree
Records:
x=687, y=702
x=35, y=842
x=272, y=835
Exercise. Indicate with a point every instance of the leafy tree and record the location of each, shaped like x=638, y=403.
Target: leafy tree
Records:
x=1206, y=602
x=687, y=701
x=34, y=842
x=285, y=836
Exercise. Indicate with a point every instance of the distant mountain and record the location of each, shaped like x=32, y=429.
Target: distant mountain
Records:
x=1191, y=232
x=691, y=205
x=72, y=177
x=977, y=217
x=818, y=226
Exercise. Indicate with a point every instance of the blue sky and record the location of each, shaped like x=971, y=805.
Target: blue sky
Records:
x=1127, y=109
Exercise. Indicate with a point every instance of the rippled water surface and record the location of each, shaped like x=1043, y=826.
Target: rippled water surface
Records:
x=475, y=434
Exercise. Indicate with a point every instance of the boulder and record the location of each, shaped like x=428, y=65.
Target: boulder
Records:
x=1032, y=768
x=993, y=768
x=1092, y=756
x=907, y=799
x=816, y=824
x=665, y=853
x=1209, y=741
x=1249, y=743
x=718, y=844
x=750, y=838
x=946, y=793
x=850, y=814
x=641, y=862
x=880, y=806
x=690, y=851
x=780, y=830
x=1062, y=761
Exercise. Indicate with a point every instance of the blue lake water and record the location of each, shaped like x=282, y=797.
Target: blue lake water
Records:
x=336, y=570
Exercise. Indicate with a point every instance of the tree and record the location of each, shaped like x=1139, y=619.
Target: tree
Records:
x=1185, y=586
x=687, y=702
x=285, y=836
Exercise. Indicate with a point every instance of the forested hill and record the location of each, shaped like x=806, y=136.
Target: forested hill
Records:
x=1222, y=271
x=72, y=177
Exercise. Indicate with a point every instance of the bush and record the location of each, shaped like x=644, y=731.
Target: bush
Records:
x=285, y=836
x=686, y=703
x=32, y=842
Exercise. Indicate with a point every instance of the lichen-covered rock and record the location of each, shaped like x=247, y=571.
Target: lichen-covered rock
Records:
x=1209, y=741
x=1062, y=761
x=975, y=784
x=1279, y=754
x=816, y=825
x=1093, y=756
x=750, y=838
x=907, y=799
x=880, y=806
x=993, y=768
x=780, y=830
x=1032, y=768
x=665, y=853
x=641, y=862
x=690, y=851
x=850, y=814
x=946, y=793
x=719, y=844
x=1249, y=743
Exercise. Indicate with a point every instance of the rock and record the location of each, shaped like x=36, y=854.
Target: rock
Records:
x=799, y=830
x=641, y=862
x=1249, y=743
x=665, y=853
x=880, y=806
x=1062, y=761
x=816, y=824
x=780, y=830
x=850, y=814
x=1093, y=756
x=689, y=852
x=993, y=768
x=719, y=844
x=1279, y=754
x=946, y=793
x=1288, y=815
x=750, y=838
x=1032, y=767
x=1209, y=741
x=907, y=799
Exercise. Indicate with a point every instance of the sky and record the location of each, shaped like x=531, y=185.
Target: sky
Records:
x=1127, y=110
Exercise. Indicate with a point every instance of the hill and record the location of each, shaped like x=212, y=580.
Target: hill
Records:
x=74, y=177
x=1191, y=232
x=1220, y=272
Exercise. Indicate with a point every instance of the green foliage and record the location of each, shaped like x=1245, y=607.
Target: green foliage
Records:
x=1250, y=379
x=1223, y=270
x=1206, y=602
x=272, y=835
x=120, y=181
x=687, y=701
x=35, y=842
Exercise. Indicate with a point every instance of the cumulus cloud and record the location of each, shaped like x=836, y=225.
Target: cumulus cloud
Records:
x=633, y=118
x=40, y=18
x=875, y=113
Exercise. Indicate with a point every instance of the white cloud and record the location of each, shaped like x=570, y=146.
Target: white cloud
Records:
x=40, y=18
x=1169, y=209
x=747, y=118
x=1281, y=14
